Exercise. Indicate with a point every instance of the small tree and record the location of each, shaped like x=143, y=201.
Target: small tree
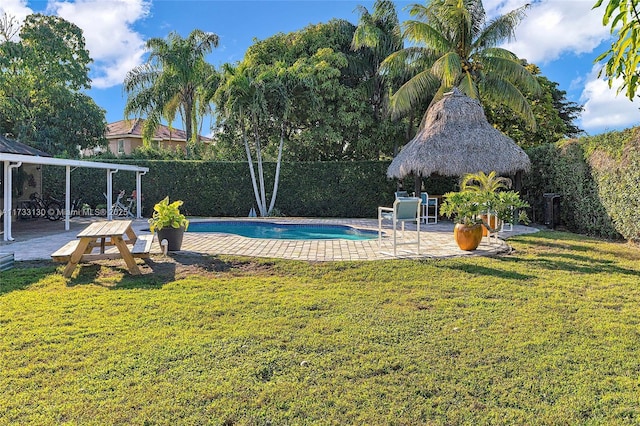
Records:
x=255, y=100
x=42, y=76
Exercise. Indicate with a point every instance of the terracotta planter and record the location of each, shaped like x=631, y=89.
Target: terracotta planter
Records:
x=468, y=237
x=173, y=237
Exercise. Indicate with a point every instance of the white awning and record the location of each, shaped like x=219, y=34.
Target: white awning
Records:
x=12, y=161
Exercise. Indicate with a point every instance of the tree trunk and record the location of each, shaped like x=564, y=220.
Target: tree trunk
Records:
x=263, y=201
x=188, y=114
x=251, y=170
x=277, y=176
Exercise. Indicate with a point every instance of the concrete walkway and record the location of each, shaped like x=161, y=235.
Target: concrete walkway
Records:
x=36, y=241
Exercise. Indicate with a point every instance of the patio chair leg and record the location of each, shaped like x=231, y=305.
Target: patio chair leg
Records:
x=395, y=245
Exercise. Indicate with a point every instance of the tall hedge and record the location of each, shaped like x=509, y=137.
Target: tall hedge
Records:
x=615, y=158
x=598, y=178
x=562, y=168
x=309, y=189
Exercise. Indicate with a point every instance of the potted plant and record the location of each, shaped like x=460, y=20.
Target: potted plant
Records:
x=465, y=207
x=169, y=223
x=487, y=185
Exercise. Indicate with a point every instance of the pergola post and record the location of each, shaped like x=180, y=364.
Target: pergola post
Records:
x=139, y=194
x=110, y=193
x=67, y=197
x=7, y=198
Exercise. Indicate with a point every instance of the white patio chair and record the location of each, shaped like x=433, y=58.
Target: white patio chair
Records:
x=429, y=208
x=403, y=210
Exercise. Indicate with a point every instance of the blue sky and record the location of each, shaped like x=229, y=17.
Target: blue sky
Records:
x=561, y=36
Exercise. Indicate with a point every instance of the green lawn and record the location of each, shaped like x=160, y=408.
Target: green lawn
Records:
x=549, y=334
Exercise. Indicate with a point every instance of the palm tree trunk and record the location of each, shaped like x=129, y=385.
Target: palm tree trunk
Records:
x=277, y=176
x=263, y=200
x=188, y=113
x=251, y=170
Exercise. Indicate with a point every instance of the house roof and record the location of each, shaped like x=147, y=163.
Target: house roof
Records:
x=9, y=146
x=133, y=128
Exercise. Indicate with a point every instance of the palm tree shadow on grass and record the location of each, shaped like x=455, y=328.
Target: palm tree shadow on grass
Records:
x=575, y=253
x=576, y=263
x=474, y=269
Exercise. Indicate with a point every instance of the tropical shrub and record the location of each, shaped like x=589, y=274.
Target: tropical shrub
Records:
x=167, y=215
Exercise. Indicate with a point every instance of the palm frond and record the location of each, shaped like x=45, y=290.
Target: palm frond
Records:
x=141, y=76
x=448, y=68
x=502, y=92
x=405, y=63
x=477, y=15
x=425, y=34
x=412, y=92
x=468, y=86
x=500, y=29
x=498, y=62
x=149, y=127
x=481, y=182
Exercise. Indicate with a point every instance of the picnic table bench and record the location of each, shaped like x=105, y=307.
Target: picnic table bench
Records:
x=111, y=239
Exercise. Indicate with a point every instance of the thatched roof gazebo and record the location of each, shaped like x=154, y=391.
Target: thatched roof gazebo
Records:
x=457, y=139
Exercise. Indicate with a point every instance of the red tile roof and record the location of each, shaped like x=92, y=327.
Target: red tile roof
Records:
x=133, y=128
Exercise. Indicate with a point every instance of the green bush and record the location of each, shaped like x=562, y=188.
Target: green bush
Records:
x=562, y=168
x=310, y=189
x=598, y=178
x=615, y=158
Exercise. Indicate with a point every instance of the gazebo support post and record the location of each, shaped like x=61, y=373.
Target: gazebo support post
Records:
x=417, y=184
x=517, y=181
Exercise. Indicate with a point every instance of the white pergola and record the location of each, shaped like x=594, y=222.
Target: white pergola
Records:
x=13, y=161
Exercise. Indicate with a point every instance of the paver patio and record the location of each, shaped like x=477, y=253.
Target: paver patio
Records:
x=436, y=242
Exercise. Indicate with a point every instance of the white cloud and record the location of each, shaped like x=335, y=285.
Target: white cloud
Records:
x=555, y=27
x=603, y=109
x=107, y=26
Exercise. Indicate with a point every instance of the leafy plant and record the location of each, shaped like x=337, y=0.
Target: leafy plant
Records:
x=465, y=207
x=167, y=215
x=504, y=204
x=481, y=182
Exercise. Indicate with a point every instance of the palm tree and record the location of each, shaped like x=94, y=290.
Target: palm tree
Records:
x=377, y=35
x=254, y=99
x=172, y=81
x=451, y=45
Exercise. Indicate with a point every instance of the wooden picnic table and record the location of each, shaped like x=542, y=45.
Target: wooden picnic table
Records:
x=100, y=235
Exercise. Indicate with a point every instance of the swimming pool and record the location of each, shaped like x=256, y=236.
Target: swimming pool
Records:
x=284, y=231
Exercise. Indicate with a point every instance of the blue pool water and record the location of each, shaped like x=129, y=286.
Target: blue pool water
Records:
x=283, y=231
